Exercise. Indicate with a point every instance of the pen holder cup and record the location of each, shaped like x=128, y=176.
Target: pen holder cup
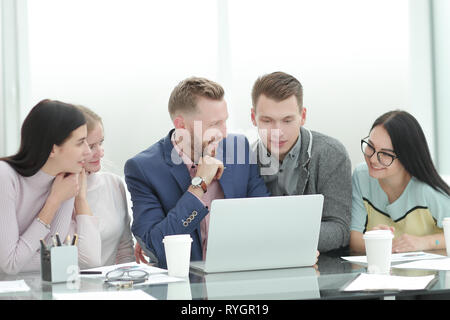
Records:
x=59, y=264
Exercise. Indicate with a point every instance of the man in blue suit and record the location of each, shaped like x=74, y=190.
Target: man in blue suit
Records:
x=173, y=182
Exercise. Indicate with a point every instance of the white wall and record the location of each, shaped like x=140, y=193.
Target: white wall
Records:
x=351, y=56
x=441, y=50
x=122, y=59
x=421, y=69
x=13, y=72
x=2, y=106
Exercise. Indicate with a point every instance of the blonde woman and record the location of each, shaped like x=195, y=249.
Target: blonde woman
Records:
x=106, y=198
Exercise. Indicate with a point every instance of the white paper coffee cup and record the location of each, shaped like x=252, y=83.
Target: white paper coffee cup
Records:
x=378, y=250
x=178, y=254
x=446, y=226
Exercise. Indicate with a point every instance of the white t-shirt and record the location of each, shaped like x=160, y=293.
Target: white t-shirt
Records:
x=106, y=196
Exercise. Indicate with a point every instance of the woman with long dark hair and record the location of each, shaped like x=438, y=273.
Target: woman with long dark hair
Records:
x=39, y=185
x=398, y=188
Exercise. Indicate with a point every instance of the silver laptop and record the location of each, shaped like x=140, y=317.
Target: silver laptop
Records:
x=262, y=233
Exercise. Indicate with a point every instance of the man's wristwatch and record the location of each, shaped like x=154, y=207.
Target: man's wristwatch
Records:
x=198, y=182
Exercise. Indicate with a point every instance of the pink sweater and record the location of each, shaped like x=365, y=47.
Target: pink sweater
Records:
x=21, y=200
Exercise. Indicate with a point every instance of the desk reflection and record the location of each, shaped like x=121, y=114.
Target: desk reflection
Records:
x=291, y=283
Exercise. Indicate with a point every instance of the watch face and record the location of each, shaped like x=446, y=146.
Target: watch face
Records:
x=196, y=181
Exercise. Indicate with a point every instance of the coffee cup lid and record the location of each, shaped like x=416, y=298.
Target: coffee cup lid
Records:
x=178, y=237
x=378, y=234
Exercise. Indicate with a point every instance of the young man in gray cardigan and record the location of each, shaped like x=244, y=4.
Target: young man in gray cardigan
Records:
x=294, y=160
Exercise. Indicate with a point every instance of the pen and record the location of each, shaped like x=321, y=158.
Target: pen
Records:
x=414, y=255
x=90, y=272
x=58, y=240
x=75, y=239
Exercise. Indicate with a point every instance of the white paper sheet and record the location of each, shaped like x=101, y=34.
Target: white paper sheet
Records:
x=435, y=264
x=157, y=275
x=154, y=279
x=13, y=286
x=160, y=278
x=105, y=295
x=399, y=257
x=371, y=282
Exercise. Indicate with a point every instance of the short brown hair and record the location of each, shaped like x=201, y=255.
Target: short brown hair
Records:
x=91, y=117
x=277, y=86
x=184, y=95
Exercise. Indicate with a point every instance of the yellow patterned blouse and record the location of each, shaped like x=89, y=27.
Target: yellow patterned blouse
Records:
x=418, y=211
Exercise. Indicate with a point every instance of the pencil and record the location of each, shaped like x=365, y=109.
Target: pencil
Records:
x=54, y=241
x=75, y=239
x=43, y=246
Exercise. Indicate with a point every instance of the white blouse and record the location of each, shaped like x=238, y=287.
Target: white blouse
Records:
x=106, y=196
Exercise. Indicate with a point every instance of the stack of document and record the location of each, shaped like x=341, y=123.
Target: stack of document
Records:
x=106, y=295
x=13, y=286
x=157, y=275
x=435, y=264
x=372, y=282
x=420, y=260
x=399, y=257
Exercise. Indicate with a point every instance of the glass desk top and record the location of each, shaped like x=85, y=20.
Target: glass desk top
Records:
x=324, y=282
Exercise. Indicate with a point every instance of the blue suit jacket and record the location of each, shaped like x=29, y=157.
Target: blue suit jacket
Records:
x=158, y=181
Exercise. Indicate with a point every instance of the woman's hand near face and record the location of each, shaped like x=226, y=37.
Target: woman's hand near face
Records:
x=81, y=204
x=63, y=188
x=82, y=180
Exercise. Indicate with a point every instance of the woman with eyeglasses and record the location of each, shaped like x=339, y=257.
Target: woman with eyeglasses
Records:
x=398, y=188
